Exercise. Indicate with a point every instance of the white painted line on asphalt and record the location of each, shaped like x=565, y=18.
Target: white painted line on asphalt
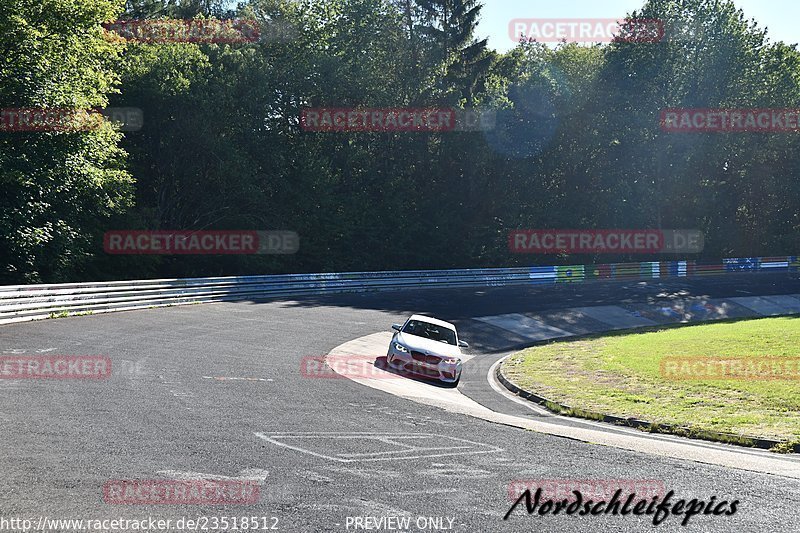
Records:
x=393, y=452
x=455, y=470
x=314, y=476
x=500, y=389
x=420, y=452
x=225, y=378
x=248, y=474
x=423, y=492
x=24, y=351
x=604, y=426
x=393, y=442
x=587, y=431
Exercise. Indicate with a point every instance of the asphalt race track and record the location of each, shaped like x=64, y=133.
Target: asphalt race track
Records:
x=323, y=448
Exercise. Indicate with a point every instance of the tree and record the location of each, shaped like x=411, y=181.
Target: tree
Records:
x=181, y=9
x=59, y=188
x=447, y=34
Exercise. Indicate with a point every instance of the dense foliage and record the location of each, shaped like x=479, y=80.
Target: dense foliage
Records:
x=576, y=143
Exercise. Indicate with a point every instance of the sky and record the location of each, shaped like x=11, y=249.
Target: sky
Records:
x=779, y=16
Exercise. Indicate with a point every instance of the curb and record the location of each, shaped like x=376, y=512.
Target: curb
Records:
x=682, y=431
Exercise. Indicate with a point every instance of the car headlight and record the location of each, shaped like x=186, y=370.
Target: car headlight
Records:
x=400, y=348
x=451, y=361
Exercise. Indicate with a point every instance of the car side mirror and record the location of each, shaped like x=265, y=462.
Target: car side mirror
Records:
x=463, y=344
x=397, y=327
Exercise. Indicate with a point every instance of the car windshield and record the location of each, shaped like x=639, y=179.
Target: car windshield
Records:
x=430, y=331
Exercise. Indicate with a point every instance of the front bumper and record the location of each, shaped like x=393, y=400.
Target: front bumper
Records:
x=420, y=364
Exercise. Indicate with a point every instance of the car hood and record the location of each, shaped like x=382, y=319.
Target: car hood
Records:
x=422, y=344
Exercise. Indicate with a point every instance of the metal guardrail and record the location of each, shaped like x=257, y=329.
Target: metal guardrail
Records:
x=31, y=302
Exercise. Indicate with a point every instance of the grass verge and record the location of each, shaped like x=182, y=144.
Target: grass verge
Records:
x=622, y=375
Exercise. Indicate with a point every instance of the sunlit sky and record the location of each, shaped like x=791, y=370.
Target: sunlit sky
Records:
x=779, y=16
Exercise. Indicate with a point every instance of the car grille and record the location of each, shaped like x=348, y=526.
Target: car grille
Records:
x=421, y=370
x=426, y=358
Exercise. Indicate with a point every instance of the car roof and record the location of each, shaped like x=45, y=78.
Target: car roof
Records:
x=432, y=320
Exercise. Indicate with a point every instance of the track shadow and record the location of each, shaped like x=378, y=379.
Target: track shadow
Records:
x=381, y=364
x=468, y=302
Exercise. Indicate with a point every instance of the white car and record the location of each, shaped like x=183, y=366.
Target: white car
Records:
x=427, y=347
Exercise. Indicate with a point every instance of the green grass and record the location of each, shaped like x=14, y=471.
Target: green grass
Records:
x=64, y=314
x=620, y=374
